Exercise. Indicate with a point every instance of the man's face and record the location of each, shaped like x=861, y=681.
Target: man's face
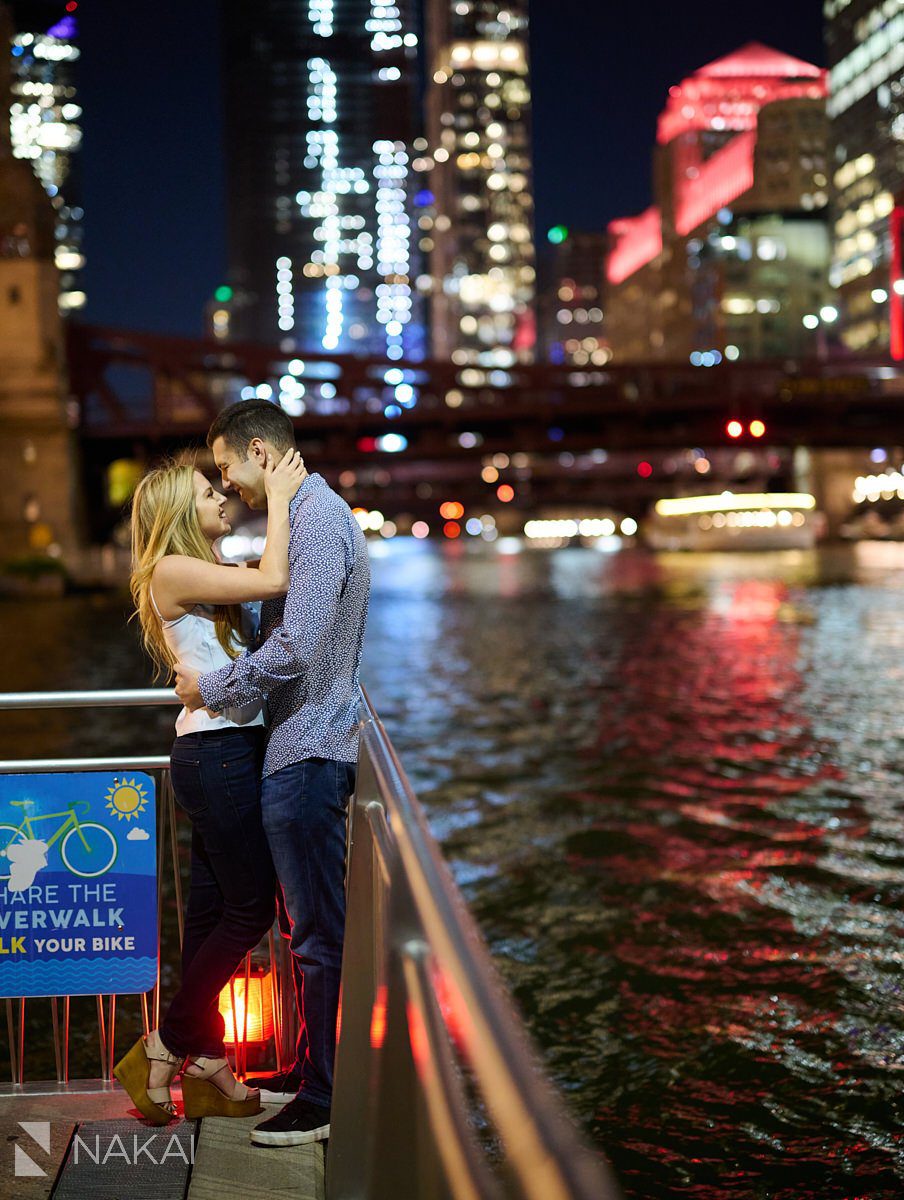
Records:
x=245, y=476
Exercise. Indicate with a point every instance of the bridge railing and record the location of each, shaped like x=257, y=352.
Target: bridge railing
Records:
x=142, y=383
x=430, y=1047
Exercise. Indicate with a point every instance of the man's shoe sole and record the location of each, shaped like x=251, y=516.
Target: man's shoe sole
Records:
x=268, y=1097
x=289, y=1137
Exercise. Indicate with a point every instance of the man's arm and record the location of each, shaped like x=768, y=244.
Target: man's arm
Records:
x=317, y=575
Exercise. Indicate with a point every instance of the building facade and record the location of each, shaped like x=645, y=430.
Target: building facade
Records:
x=45, y=125
x=320, y=103
x=476, y=199
x=570, y=314
x=865, y=47
x=732, y=259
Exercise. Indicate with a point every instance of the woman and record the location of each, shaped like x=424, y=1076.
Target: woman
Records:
x=188, y=606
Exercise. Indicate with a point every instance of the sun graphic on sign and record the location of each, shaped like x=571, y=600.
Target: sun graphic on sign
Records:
x=126, y=798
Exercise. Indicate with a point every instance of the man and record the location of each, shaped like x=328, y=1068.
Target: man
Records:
x=307, y=668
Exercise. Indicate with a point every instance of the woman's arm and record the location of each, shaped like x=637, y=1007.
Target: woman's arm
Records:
x=181, y=581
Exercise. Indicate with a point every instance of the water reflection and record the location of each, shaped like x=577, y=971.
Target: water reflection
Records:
x=671, y=789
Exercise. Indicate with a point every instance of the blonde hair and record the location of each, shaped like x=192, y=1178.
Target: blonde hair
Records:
x=165, y=521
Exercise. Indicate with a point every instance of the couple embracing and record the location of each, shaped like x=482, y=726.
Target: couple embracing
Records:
x=264, y=759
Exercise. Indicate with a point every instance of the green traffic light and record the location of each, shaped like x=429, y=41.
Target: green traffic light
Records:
x=558, y=234
x=223, y=294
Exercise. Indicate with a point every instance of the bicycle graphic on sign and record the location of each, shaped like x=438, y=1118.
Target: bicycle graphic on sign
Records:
x=88, y=849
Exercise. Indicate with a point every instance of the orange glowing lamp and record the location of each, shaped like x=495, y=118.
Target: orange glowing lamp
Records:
x=259, y=1006
x=734, y=429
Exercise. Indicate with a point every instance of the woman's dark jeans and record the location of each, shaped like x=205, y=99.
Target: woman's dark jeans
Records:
x=232, y=896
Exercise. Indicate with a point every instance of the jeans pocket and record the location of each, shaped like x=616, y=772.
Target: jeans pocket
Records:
x=188, y=784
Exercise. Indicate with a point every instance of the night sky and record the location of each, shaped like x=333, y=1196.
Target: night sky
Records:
x=153, y=170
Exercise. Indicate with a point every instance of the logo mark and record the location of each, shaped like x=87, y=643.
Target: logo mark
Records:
x=25, y=1165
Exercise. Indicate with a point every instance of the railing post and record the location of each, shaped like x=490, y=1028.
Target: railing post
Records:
x=405, y=1159
x=347, y=1162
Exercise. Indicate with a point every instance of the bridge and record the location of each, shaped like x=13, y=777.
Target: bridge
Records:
x=566, y=436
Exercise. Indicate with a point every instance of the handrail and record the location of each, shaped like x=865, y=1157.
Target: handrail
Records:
x=47, y=766
x=119, y=698
x=410, y=928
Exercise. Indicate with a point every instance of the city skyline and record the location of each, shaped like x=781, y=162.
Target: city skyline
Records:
x=163, y=216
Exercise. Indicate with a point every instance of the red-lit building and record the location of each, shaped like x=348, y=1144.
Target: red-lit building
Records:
x=734, y=253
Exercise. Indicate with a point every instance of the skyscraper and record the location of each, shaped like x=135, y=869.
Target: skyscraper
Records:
x=570, y=306
x=45, y=124
x=732, y=260
x=476, y=198
x=865, y=45
x=320, y=117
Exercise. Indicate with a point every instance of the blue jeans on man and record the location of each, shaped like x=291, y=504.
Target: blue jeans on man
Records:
x=305, y=809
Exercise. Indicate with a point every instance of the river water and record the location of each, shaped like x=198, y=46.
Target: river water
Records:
x=671, y=790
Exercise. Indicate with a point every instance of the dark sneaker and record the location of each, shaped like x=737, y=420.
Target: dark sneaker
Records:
x=297, y=1124
x=276, y=1087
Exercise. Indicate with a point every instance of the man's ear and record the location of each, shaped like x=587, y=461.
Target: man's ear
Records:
x=257, y=452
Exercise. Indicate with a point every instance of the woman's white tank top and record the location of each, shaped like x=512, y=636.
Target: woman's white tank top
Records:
x=193, y=640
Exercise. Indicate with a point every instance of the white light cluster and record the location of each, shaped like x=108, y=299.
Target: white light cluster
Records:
x=509, y=55
x=393, y=242
x=372, y=520
x=291, y=393
x=322, y=97
x=879, y=487
x=354, y=237
x=44, y=129
x=46, y=125
x=320, y=14
x=285, y=302
x=54, y=50
x=385, y=25
x=589, y=527
x=727, y=501
x=764, y=519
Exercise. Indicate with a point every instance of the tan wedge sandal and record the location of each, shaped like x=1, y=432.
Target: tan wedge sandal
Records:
x=134, y=1073
x=204, y=1081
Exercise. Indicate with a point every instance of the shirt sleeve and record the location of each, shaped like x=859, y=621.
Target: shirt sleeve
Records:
x=251, y=621
x=317, y=577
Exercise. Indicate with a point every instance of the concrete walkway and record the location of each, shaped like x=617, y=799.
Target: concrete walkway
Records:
x=50, y=1137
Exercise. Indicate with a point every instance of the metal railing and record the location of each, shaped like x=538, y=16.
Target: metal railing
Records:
x=430, y=1047
x=282, y=987
x=429, y=1039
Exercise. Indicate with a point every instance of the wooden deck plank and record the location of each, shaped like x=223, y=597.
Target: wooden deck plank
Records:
x=62, y=1111
x=226, y=1163
x=228, y=1166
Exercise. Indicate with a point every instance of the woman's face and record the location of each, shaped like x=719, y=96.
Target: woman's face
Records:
x=210, y=506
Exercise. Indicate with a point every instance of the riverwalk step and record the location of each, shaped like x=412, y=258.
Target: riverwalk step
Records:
x=38, y=1123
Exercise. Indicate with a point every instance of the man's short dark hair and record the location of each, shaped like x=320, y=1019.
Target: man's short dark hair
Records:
x=239, y=423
